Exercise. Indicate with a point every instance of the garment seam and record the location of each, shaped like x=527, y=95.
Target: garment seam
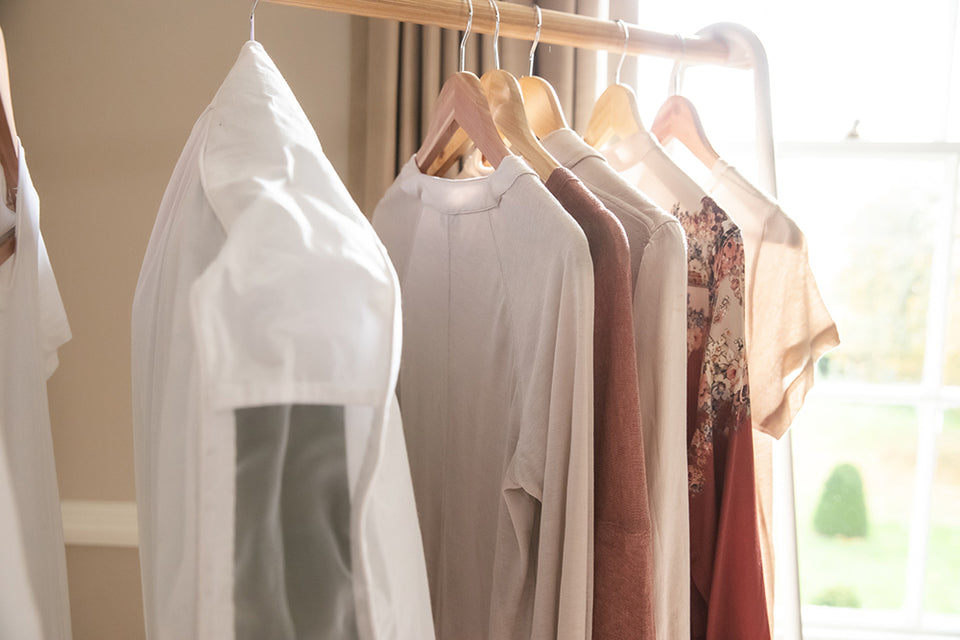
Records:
x=516, y=385
x=444, y=420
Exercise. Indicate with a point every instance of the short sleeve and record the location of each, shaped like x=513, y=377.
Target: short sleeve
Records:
x=790, y=327
x=54, y=330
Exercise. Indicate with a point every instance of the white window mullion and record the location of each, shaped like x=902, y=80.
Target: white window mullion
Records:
x=931, y=416
x=889, y=394
x=939, y=302
x=931, y=422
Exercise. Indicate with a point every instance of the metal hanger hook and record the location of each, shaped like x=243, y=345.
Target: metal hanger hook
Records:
x=466, y=34
x=679, y=66
x=253, y=12
x=496, y=33
x=623, y=54
x=536, y=38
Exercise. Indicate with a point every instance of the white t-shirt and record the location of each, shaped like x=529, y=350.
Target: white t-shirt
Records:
x=496, y=389
x=658, y=262
x=788, y=326
x=267, y=308
x=34, y=601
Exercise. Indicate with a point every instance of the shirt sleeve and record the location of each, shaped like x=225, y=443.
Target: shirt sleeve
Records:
x=660, y=320
x=790, y=326
x=550, y=490
x=566, y=525
x=54, y=328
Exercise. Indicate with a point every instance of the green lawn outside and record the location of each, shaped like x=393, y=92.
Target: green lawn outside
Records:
x=882, y=443
x=873, y=570
x=942, y=592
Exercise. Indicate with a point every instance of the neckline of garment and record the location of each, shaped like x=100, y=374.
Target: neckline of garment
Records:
x=464, y=195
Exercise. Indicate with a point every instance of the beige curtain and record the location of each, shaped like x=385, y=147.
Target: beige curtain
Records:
x=398, y=70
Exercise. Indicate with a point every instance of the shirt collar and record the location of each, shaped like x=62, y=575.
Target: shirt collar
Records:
x=463, y=195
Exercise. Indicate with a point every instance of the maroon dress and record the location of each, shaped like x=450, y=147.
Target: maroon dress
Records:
x=727, y=598
x=623, y=543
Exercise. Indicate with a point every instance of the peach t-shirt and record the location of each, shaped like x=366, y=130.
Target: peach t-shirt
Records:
x=788, y=325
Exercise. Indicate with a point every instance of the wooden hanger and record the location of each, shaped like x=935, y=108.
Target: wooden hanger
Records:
x=461, y=106
x=9, y=151
x=678, y=119
x=542, y=106
x=540, y=101
x=509, y=114
x=615, y=113
x=506, y=104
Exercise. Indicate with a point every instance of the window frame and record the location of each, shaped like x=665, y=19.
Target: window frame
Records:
x=931, y=398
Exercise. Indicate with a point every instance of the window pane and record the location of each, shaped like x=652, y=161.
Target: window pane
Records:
x=854, y=486
x=831, y=63
x=871, y=225
x=942, y=593
x=951, y=371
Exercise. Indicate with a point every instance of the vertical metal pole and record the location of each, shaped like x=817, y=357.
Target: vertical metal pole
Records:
x=785, y=506
x=746, y=50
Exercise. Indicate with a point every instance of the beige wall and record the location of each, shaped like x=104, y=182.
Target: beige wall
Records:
x=104, y=94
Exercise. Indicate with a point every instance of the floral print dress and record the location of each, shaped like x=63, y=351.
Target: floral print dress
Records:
x=727, y=591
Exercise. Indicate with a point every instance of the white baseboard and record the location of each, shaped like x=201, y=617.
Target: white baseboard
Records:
x=99, y=523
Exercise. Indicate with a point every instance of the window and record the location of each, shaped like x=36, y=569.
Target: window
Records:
x=880, y=433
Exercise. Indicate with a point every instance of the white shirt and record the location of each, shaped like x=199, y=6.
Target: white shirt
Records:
x=263, y=286
x=496, y=389
x=34, y=601
x=658, y=262
x=788, y=325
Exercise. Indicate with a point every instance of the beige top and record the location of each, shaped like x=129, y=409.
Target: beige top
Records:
x=658, y=265
x=788, y=326
x=496, y=390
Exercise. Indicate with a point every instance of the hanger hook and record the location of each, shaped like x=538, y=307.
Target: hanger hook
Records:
x=496, y=32
x=536, y=38
x=623, y=54
x=679, y=66
x=253, y=12
x=466, y=34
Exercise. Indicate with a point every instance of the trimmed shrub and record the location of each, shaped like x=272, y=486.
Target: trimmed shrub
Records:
x=842, y=510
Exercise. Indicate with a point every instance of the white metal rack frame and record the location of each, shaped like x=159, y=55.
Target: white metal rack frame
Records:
x=723, y=44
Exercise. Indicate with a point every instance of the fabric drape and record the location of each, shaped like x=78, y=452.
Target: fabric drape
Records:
x=658, y=265
x=496, y=389
x=265, y=299
x=724, y=537
x=34, y=602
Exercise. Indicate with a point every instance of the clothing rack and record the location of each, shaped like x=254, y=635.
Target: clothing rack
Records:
x=724, y=44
